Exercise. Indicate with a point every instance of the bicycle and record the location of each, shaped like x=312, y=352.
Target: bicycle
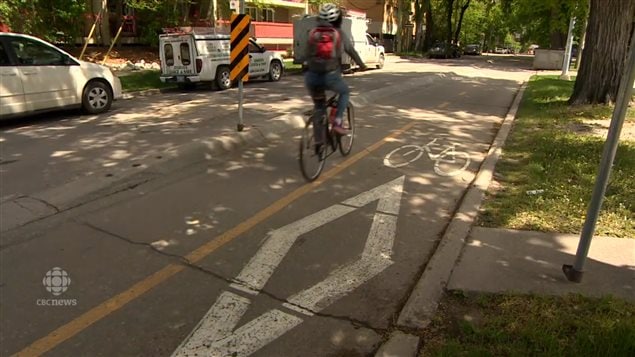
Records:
x=310, y=154
x=448, y=162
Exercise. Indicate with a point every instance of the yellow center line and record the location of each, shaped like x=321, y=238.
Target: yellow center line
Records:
x=118, y=301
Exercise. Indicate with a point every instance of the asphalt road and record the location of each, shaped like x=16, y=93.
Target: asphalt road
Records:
x=238, y=254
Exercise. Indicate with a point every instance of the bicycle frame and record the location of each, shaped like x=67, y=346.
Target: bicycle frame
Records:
x=326, y=122
x=435, y=157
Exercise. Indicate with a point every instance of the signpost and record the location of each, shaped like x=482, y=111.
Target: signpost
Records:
x=574, y=272
x=239, y=56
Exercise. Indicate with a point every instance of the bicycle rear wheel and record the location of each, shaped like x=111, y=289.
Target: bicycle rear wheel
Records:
x=311, y=162
x=348, y=122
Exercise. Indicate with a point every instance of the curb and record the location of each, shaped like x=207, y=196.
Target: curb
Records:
x=22, y=210
x=422, y=304
x=143, y=93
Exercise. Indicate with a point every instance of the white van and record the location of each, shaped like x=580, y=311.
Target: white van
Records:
x=195, y=57
x=369, y=50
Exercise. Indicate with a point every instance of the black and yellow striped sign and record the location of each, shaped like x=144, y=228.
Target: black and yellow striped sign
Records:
x=239, y=57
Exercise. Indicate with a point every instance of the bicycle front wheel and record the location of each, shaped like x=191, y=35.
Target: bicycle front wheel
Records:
x=311, y=159
x=345, y=142
x=403, y=155
x=451, y=163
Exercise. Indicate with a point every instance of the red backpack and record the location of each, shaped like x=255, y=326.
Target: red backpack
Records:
x=325, y=42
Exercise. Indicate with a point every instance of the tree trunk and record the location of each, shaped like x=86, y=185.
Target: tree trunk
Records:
x=104, y=25
x=119, y=14
x=419, y=25
x=427, y=41
x=557, y=39
x=449, y=22
x=458, y=26
x=211, y=12
x=604, y=55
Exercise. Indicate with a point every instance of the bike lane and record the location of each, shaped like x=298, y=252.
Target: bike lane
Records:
x=295, y=248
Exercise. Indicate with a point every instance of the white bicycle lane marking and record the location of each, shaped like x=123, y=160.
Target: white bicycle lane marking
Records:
x=217, y=335
x=448, y=162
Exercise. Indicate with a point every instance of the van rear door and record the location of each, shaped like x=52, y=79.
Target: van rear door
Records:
x=178, y=56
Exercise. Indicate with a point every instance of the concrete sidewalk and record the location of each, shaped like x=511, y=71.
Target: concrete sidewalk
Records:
x=503, y=260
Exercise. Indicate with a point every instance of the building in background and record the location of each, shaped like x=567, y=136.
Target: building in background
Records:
x=272, y=20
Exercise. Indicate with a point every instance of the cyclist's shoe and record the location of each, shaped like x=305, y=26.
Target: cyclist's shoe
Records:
x=318, y=148
x=339, y=130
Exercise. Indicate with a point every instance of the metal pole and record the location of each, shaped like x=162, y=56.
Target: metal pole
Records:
x=567, y=51
x=114, y=41
x=574, y=273
x=241, y=125
x=90, y=34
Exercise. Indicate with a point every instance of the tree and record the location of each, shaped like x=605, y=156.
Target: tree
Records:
x=604, y=56
x=44, y=18
x=450, y=11
x=544, y=22
x=427, y=41
x=460, y=21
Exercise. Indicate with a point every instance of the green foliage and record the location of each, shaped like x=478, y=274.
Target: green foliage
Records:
x=515, y=23
x=153, y=15
x=536, y=21
x=44, y=18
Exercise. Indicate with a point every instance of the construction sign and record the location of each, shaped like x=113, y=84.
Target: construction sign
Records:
x=239, y=56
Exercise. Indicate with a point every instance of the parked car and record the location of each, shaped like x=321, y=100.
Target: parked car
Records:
x=38, y=76
x=474, y=50
x=441, y=50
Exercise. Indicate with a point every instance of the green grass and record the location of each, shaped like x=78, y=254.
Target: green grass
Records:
x=142, y=80
x=527, y=325
x=291, y=68
x=551, y=149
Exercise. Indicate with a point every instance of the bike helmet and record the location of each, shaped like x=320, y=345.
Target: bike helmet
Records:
x=329, y=12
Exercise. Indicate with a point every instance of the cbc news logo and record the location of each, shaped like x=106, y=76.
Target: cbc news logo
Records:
x=56, y=281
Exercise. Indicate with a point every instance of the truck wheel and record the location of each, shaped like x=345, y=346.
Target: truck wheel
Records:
x=222, y=78
x=382, y=59
x=275, y=71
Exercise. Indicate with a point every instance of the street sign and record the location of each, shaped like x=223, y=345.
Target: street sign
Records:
x=218, y=333
x=239, y=56
x=233, y=4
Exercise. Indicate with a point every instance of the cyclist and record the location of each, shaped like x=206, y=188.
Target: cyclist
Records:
x=327, y=42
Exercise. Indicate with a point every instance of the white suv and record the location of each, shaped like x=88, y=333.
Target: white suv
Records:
x=37, y=76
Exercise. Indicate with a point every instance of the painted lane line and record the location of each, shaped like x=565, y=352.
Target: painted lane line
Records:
x=97, y=313
x=376, y=257
x=213, y=336
x=389, y=196
x=257, y=272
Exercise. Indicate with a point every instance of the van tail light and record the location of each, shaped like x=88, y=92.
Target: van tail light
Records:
x=199, y=65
